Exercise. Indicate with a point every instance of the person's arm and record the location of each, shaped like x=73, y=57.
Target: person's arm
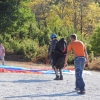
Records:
x=3, y=51
x=66, y=58
x=86, y=56
x=51, y=48
x=67, y=55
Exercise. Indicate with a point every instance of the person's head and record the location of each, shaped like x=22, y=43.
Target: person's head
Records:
x=53, y=36
x=73, y=37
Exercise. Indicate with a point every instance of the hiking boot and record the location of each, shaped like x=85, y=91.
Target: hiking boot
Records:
x=57, y=77
x=81, y=92
x=77, y=89
x=61, y=77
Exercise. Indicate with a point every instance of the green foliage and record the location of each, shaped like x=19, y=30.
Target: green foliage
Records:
x=15, y=18
x=91, y=56
x=29, y=48
x=95, y=41
x=7, y=15
x=71, y=59
x=26, y=26
x=1, y=38
x=32, y=50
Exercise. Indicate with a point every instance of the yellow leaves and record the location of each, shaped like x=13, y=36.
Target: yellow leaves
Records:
x=54, y=20
x=64, y=12
x=93, y=5
x=69, y=1
x=94, y=9
x=37, y=2
x=93, y=13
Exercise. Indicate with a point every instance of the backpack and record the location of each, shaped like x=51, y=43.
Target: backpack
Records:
x=61, y=46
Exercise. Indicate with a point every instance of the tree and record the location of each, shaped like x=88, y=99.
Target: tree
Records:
x=41, y=9
x=7, y=11
x=95, y=41
x=15, y=18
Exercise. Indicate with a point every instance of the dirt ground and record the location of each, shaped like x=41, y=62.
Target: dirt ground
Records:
x=18, y=60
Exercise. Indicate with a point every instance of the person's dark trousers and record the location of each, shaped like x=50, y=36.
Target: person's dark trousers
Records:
x=79, y=65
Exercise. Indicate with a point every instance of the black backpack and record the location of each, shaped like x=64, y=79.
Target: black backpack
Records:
x=61, y=46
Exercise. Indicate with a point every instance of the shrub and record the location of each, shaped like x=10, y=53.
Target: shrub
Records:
x=95, y=64
x=71, y=59
x=95, y=41
x=31, y=50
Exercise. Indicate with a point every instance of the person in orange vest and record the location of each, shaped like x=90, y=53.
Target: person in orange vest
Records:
x=80, y=59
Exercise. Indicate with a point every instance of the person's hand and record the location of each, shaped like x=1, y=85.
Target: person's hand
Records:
x=65, y=65
x=86, y=65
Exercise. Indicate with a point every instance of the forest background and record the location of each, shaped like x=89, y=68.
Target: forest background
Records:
x=26, y=26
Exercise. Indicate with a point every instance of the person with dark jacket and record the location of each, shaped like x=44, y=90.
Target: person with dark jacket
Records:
x=52, y=48
x=58, y=51
x=49, y=56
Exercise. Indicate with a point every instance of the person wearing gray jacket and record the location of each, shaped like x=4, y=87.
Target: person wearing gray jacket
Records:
x=51, y=49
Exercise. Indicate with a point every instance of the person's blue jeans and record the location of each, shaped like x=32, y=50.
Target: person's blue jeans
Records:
x=2, y=58
x=79, y=65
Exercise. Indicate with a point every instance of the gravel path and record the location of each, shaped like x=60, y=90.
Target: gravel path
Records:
x=14, y=86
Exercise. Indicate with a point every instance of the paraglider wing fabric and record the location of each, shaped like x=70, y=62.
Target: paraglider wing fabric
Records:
x=60, y=63
x=59, y=60
x=60, y=45
x=58, y=55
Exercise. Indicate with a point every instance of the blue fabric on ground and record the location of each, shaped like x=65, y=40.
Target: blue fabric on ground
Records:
x=44, y=71
x=13, y=67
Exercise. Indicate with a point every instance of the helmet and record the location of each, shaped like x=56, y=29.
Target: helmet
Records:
x=53, y=36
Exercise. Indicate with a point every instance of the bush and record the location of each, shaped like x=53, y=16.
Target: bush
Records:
x=12, y=46
x=31, y=50
x=71, y=59
x=95, y=41
x=95, y=64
